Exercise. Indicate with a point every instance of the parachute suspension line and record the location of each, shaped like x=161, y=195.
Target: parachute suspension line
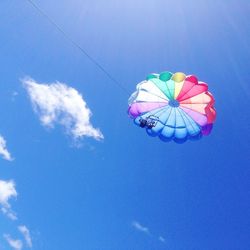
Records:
x=83, y=51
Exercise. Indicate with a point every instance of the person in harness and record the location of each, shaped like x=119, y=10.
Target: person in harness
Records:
x=149, y=122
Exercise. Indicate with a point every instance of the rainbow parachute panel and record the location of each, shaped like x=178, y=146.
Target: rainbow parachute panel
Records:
x=173, y=106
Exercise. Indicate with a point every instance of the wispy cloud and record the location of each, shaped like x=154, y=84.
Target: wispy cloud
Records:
x=138, y=226
x=57, y=103
x=162, y=239
x=14, y=243
x=10, y=214
x=3, y=150
x=7, y=191
x=26, y=234
x=14, y=95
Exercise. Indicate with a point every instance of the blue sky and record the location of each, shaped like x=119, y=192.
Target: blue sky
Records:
x=128, y=189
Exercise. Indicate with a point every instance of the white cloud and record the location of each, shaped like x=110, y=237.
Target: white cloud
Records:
x=161, y=239
x=140, y=227
x=14, y=243
x=57, y=103
x=26, y=234
x=3, y=150
x=7, y=191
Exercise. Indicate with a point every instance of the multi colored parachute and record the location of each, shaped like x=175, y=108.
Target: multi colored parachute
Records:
x=173, y=106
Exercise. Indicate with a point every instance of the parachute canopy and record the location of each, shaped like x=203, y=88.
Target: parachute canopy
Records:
x=173, y=106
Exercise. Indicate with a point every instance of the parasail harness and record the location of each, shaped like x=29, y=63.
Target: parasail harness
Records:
x=149, y=122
